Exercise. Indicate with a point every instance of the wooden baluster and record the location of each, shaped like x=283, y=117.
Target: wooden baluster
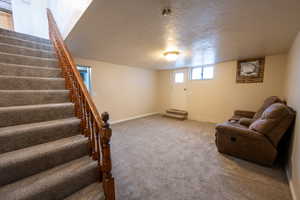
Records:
x=81, y=106
x=92, y=138
x=80, y=100
x=98, y=150
x=88, y=131
x=83, y=114
x=84, y=119
x=76, y=102
x=72, y=83
x=108, y=180
x=97, y=132
x=92, y=130
x=69, y=83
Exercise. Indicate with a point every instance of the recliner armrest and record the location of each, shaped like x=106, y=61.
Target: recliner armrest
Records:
x=235, y=130
x=244, y=113
x=246, y=121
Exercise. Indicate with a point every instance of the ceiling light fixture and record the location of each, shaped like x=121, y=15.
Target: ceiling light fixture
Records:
x=171, y=55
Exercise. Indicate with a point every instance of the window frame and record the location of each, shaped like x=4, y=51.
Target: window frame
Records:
x=202, y=72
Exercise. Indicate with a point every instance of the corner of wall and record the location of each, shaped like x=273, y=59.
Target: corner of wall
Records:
x=291, y=185
x=292, y=96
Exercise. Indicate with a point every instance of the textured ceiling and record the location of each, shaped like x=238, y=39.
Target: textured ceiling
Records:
x=134, y=33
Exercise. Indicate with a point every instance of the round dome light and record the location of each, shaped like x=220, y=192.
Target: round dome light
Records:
x=171, y=55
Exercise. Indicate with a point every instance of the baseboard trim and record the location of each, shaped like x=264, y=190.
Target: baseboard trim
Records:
x=291, y=185
x=135, y=117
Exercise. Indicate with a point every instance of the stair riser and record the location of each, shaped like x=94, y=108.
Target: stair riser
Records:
x=43, y=134
x=31, y=61
x=24, y=36
x=91, y=192
x=11, y=117
x=14, y=70
x=180, y=117
x=34, y=45
x=26, y=52
x=177, y=113
x=10, y=170
x=12, y=83
x=19, y=98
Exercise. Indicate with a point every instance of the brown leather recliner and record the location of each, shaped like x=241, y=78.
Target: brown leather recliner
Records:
x=259, y=141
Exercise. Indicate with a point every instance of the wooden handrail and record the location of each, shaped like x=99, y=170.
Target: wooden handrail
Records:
x=94, y=126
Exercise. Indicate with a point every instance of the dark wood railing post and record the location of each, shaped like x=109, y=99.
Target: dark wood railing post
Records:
x=108, y=180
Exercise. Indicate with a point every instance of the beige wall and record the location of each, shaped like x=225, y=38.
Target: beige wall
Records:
x=30, y=17
x=123, y=91
x=293, y=99
x=215, y=100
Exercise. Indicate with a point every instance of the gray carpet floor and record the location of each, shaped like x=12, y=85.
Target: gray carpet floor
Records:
x=166, y=159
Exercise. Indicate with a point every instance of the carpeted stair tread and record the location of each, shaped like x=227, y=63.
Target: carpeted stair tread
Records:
x=28, y=60
x=31, y=83
x=31, y=97
x=91, y=192
x=23, y=42
x=25, y=51
x=15, y=115
x=29, y=71
x=53, y=184
x=25, y=162
x=176, y=116
x=179, y=112
x=25, y=135
x=23, y=36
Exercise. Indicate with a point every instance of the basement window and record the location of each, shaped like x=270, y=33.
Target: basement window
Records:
x=202, y=73
x=85, y=73
x=179, y=77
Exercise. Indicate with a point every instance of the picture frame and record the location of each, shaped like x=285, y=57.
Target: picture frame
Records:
x=250, y=70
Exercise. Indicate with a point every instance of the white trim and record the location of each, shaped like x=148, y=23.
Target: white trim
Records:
x=292, y=188
x=135, y=117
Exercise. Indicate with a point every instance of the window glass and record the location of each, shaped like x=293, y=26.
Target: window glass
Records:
x=197, y=73
x=208, y=72
x=179, y=77
x=202, y=73
x=85, y=73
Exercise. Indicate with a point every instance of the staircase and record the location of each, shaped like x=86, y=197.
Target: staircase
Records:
x=43, y=154
x=176, y=114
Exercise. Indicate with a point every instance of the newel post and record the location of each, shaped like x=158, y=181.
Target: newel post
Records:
x=108, y=180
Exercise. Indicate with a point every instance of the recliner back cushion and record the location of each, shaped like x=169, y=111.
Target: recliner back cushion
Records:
x=274, y=121
x=268, y=102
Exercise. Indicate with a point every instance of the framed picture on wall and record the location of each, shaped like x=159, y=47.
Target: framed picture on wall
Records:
x=250, y=70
